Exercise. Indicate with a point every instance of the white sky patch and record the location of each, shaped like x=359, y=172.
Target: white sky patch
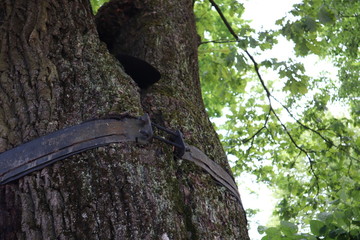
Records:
x=263, y=15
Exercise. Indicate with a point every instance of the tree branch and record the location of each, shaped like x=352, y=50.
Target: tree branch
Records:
x=303, y=125
x=268, y=94
x=220, y=41
x=260, y=129
x=231, y=30
x=311, y=162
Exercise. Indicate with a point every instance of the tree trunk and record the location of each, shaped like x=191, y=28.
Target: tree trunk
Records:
x=55, y=72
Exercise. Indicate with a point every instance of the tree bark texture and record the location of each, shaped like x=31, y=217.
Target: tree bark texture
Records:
x=55, y=72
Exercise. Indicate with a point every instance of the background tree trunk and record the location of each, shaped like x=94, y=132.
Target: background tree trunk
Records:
x=55, y=72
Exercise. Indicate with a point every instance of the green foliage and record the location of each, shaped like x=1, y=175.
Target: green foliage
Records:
x=224, y=66
x=328, y=28
x=327, y=226
x=96, y=4
x=286, y=131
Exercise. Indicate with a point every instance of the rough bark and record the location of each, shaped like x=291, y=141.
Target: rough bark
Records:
x=55, y=72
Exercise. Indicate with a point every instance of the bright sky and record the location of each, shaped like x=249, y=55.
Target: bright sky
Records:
x=263, y=14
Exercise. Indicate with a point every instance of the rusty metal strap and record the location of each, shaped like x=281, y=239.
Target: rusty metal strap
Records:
x=196, y=156
x=45, y=150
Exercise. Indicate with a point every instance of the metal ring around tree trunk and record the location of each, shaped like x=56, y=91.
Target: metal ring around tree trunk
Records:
x=43, y=151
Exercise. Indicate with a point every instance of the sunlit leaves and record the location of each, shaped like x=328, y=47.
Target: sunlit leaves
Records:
x=301, y=146
x=96, y=4
x=328, y=28
x=326, y=226
x=286, y=230
x=222, y=78
x=267, y=40
x=224, y=68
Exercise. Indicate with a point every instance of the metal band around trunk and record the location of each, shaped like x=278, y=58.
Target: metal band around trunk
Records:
x=196, y=156
x=45, y=150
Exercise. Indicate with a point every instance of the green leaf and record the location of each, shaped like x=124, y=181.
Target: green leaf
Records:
x=325, y=217
x=326, y=16
x=288, y=228
x=317, y=227
x=355, y=233
x=343, y=195
x=273, y=233
x=96, y=4
x=309, y=24
x=338, y=234
x=261, y=229
x=295, y=87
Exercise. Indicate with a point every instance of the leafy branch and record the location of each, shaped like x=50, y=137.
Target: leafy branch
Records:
x=316, y=135
x=220, y=41
x=269, y=95
x=260, y=129
x=328, y=141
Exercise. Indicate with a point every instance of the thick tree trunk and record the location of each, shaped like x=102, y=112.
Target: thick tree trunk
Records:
x=55, y=72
